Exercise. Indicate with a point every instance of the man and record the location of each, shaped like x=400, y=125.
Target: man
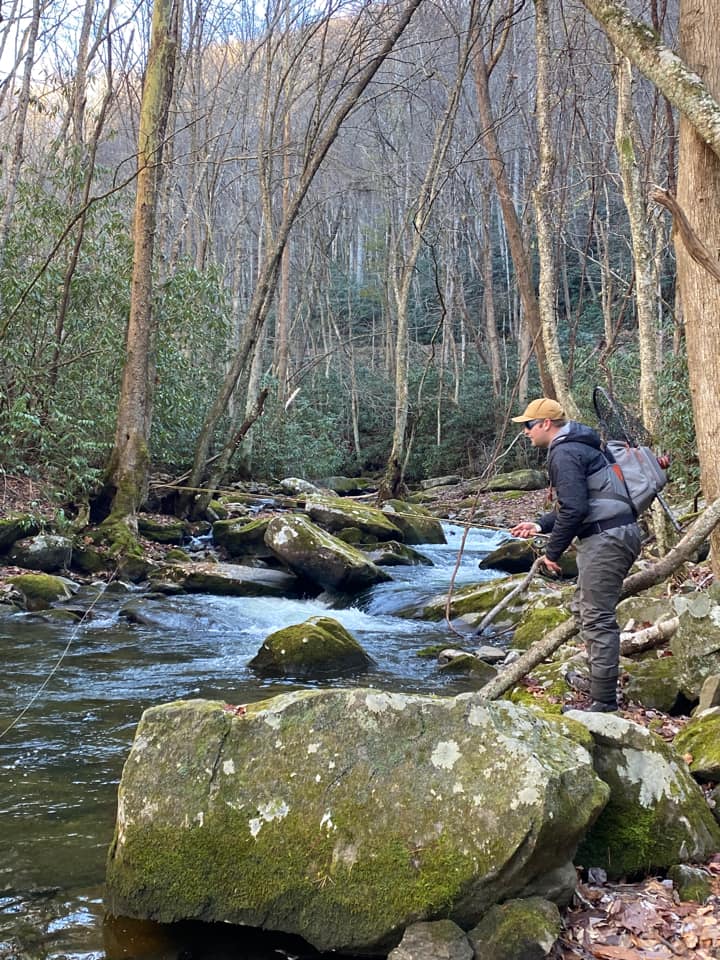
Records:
x=592, y=505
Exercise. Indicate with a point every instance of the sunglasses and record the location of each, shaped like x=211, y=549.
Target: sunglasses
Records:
x=529, y=424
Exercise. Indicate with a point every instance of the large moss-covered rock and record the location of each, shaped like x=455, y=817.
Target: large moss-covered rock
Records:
x=654, y=683
x=516, y=480
x=344, y=815
x=657, y=815
x=231, y=579
x=47, y=552
x=334, y=514
x=242, y=538
x=700, y=738
x=696, y=642
x=517, y=930
x=41, y=590
x=319, y=557
x=644, y=610
x=474, y=599
x=435, y=940
x=318, y=647
x=167, y=530
x=16, y=528
x=394, y=554
x=512, y=556
x=417, y=525
x=346, y=486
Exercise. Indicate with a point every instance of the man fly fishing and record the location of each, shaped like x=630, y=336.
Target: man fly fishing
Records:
x=592, y=505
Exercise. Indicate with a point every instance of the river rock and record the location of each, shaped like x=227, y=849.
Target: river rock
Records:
x=344, y=815
x=41, y=590
x=471, y=602
x=16, y=528
x=512, y=556
x=657, y=815
x=347, y=486
x=242, y=538
x=517, y=930
x=417, y=525
x=167, y=531
x=690, y=883
x=232, y=579
x=438, y=940
x=47, y=552
x=696, y=642
x=295, y=485
x=515, y=480
x=654, y=683
x=449, y=481
x=316, y=555
x=317, y=647
x=394, y=554
x=334, y=514
x=700, y=739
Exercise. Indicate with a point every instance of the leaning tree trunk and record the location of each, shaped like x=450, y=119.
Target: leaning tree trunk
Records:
x=699, y=196
x=127, y=473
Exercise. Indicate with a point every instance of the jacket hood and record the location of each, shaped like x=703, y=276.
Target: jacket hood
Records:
x=578, y=433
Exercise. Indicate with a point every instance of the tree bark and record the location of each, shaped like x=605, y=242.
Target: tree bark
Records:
x=547, y=284
x=692, y=93
x=127, y=472
x=699, y=196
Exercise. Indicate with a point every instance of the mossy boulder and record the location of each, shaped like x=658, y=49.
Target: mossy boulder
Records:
x=334, y=514
x=46, y=552
x=657, y=815
x=344, y=815
x=451, y=480
x=469, y=665
x=242, y=538
x=231, y=579
x=512, y=556
x=416, y=524
x=700, y=738
x=16, y=528
x=41, y=590
x=87, y=558
x=296, y=486
x=347, y=486
x=517, y=930
x=167, y=531
x=690, y=883
x=473, y=600
x=644, y=610
x=394, y=554
x=516, y=480
x=536, y=622
x=696, y=643
x=653, y=683
x=434, y=940
x=320, y=646
x=317, y=556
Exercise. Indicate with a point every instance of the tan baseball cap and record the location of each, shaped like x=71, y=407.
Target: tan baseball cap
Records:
x=541, y=409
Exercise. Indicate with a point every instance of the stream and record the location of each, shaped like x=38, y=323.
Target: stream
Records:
x=62, y=756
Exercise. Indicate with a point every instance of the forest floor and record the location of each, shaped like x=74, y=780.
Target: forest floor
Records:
x=607, y=920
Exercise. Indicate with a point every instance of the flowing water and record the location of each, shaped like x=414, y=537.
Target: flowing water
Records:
x=61, y=761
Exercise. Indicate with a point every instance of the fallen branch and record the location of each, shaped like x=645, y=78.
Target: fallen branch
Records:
x=641, y=640
x=655, y=573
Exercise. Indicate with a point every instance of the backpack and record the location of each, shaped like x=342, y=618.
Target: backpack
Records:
x=639, y=470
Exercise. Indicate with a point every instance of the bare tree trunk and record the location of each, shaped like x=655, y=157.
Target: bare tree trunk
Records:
x=20, y=121
x=518, y=251
x=542, y=198
x=127, y=472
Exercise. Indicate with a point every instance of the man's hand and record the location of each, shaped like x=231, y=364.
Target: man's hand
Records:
x=553, y=567
x=525, y=530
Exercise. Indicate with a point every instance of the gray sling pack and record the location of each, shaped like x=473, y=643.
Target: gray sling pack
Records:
x=639, y=470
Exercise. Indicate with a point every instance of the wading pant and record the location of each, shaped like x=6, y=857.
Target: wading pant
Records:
x=603, y=560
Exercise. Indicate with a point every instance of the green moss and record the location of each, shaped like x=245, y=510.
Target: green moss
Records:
x=40, y=589
x=475, y=598
x=430, y=653
x=176, y=555
x=517, y=929
x=690, y=883
x=320, y=645
x=536, y=623
x=701, y=739
x=115, y=532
